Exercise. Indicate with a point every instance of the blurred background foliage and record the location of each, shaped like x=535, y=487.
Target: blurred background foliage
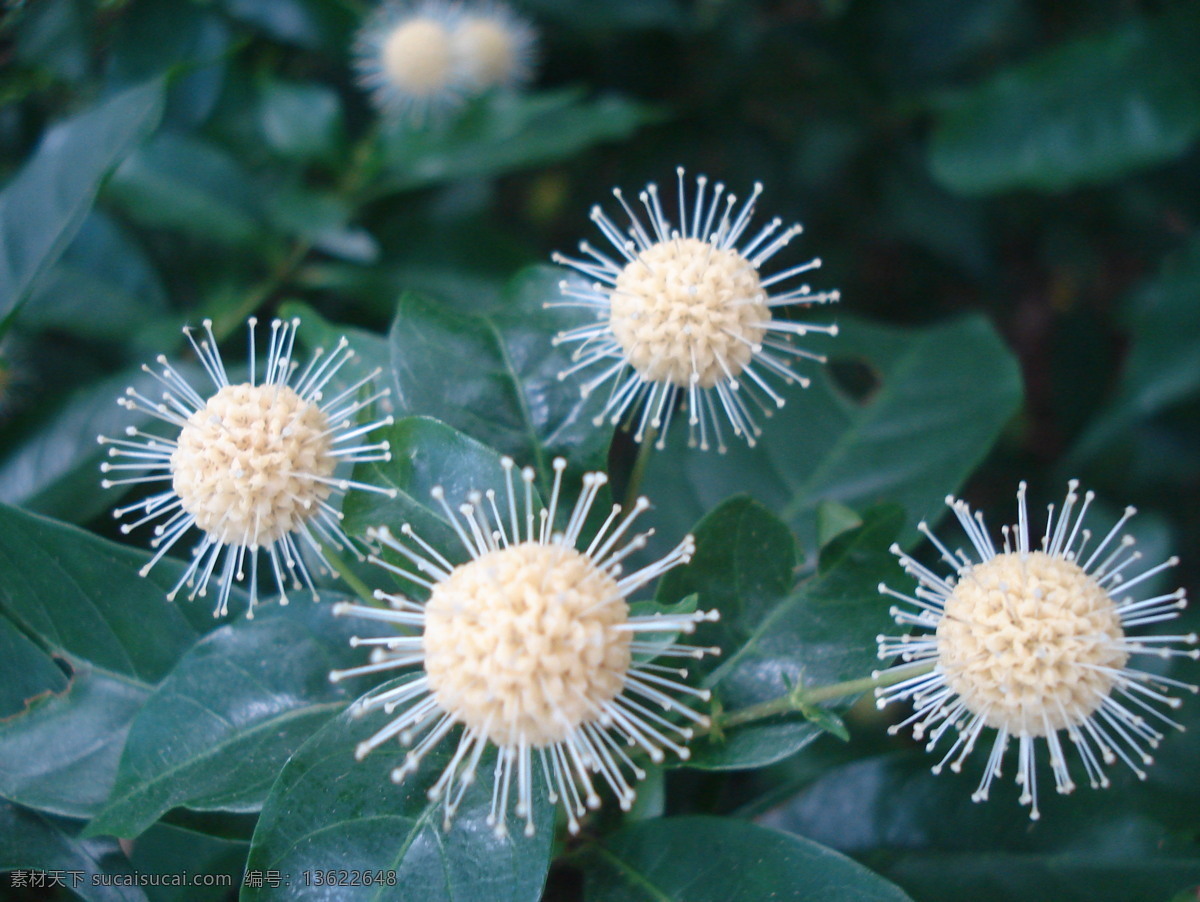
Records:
x=1032, y=164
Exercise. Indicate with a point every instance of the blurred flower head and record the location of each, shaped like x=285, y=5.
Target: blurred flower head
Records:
x=684, y=314
x=1033, y=643
x=419, y=59
x=532, y=647
x=252, y=465
x=493, y=47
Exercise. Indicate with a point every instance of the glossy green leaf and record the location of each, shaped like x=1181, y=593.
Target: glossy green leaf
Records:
x=184, y=39
x=503, y=132
x=305, y=23
x=939, y=398
x=166, y=849
x=185, y=184
x=833, y=519
x=1162, y=368
x=53, y=35
x=685, y=605
x=927, y=834
x=83, y=597
x=617, y=15
x=56, y=469
x=318, y=332
x=103, y=286
x=425, y=453
x=25, y=671
x=301, y=121
x=1074, y=876
x=329, y=811
x=61, y=754
x=710, y=859
x=46, y=202
x=1082, y=112
x=30, y=840
x=215, y=732
x=323, y=218
x=506, y=391
x=774, y=636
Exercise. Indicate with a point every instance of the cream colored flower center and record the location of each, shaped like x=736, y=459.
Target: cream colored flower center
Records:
x=244, y=464
x=485, y=49
x=417, y=56
x=686, y=307
x=521, y=643
x=1032, y=644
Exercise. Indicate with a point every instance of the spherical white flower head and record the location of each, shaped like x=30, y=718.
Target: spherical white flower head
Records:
x=493, y=47
x=405, y=56
x=685, y=314
x=526, y=642
x=252, y=466
x=531, y=646
x=1033, y=643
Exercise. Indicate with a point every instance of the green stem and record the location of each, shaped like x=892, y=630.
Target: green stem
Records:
x=801, y=697
x=349, y=577
x=645, y=449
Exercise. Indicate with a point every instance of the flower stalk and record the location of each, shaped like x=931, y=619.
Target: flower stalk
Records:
x=805, y=699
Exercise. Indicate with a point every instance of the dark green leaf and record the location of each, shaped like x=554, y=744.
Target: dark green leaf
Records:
x=103, y=286
x=941, y=396
x=56, y=470
x=932, y=839
x=301, y=121
x=32, y=841
x=329, y=811
x=503, y=132
x=774, y=637
x=82, y=599
x=697, y=859
x=216, y=731
x=184, y=39
x=1163, y=365
x=25, y=671
x=184, y=184
x=54, y=34
x=172, y=850
x=61, y=754
x=1084, y=111
x=47, y=201
x=323, y=219
x=617, y=15
x=685, y=605
x=306, y=23
x=82, y=596
x=318, y=332
x=506, y=391
x=833, y=519
x=1075, y=876
x=425, y=453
